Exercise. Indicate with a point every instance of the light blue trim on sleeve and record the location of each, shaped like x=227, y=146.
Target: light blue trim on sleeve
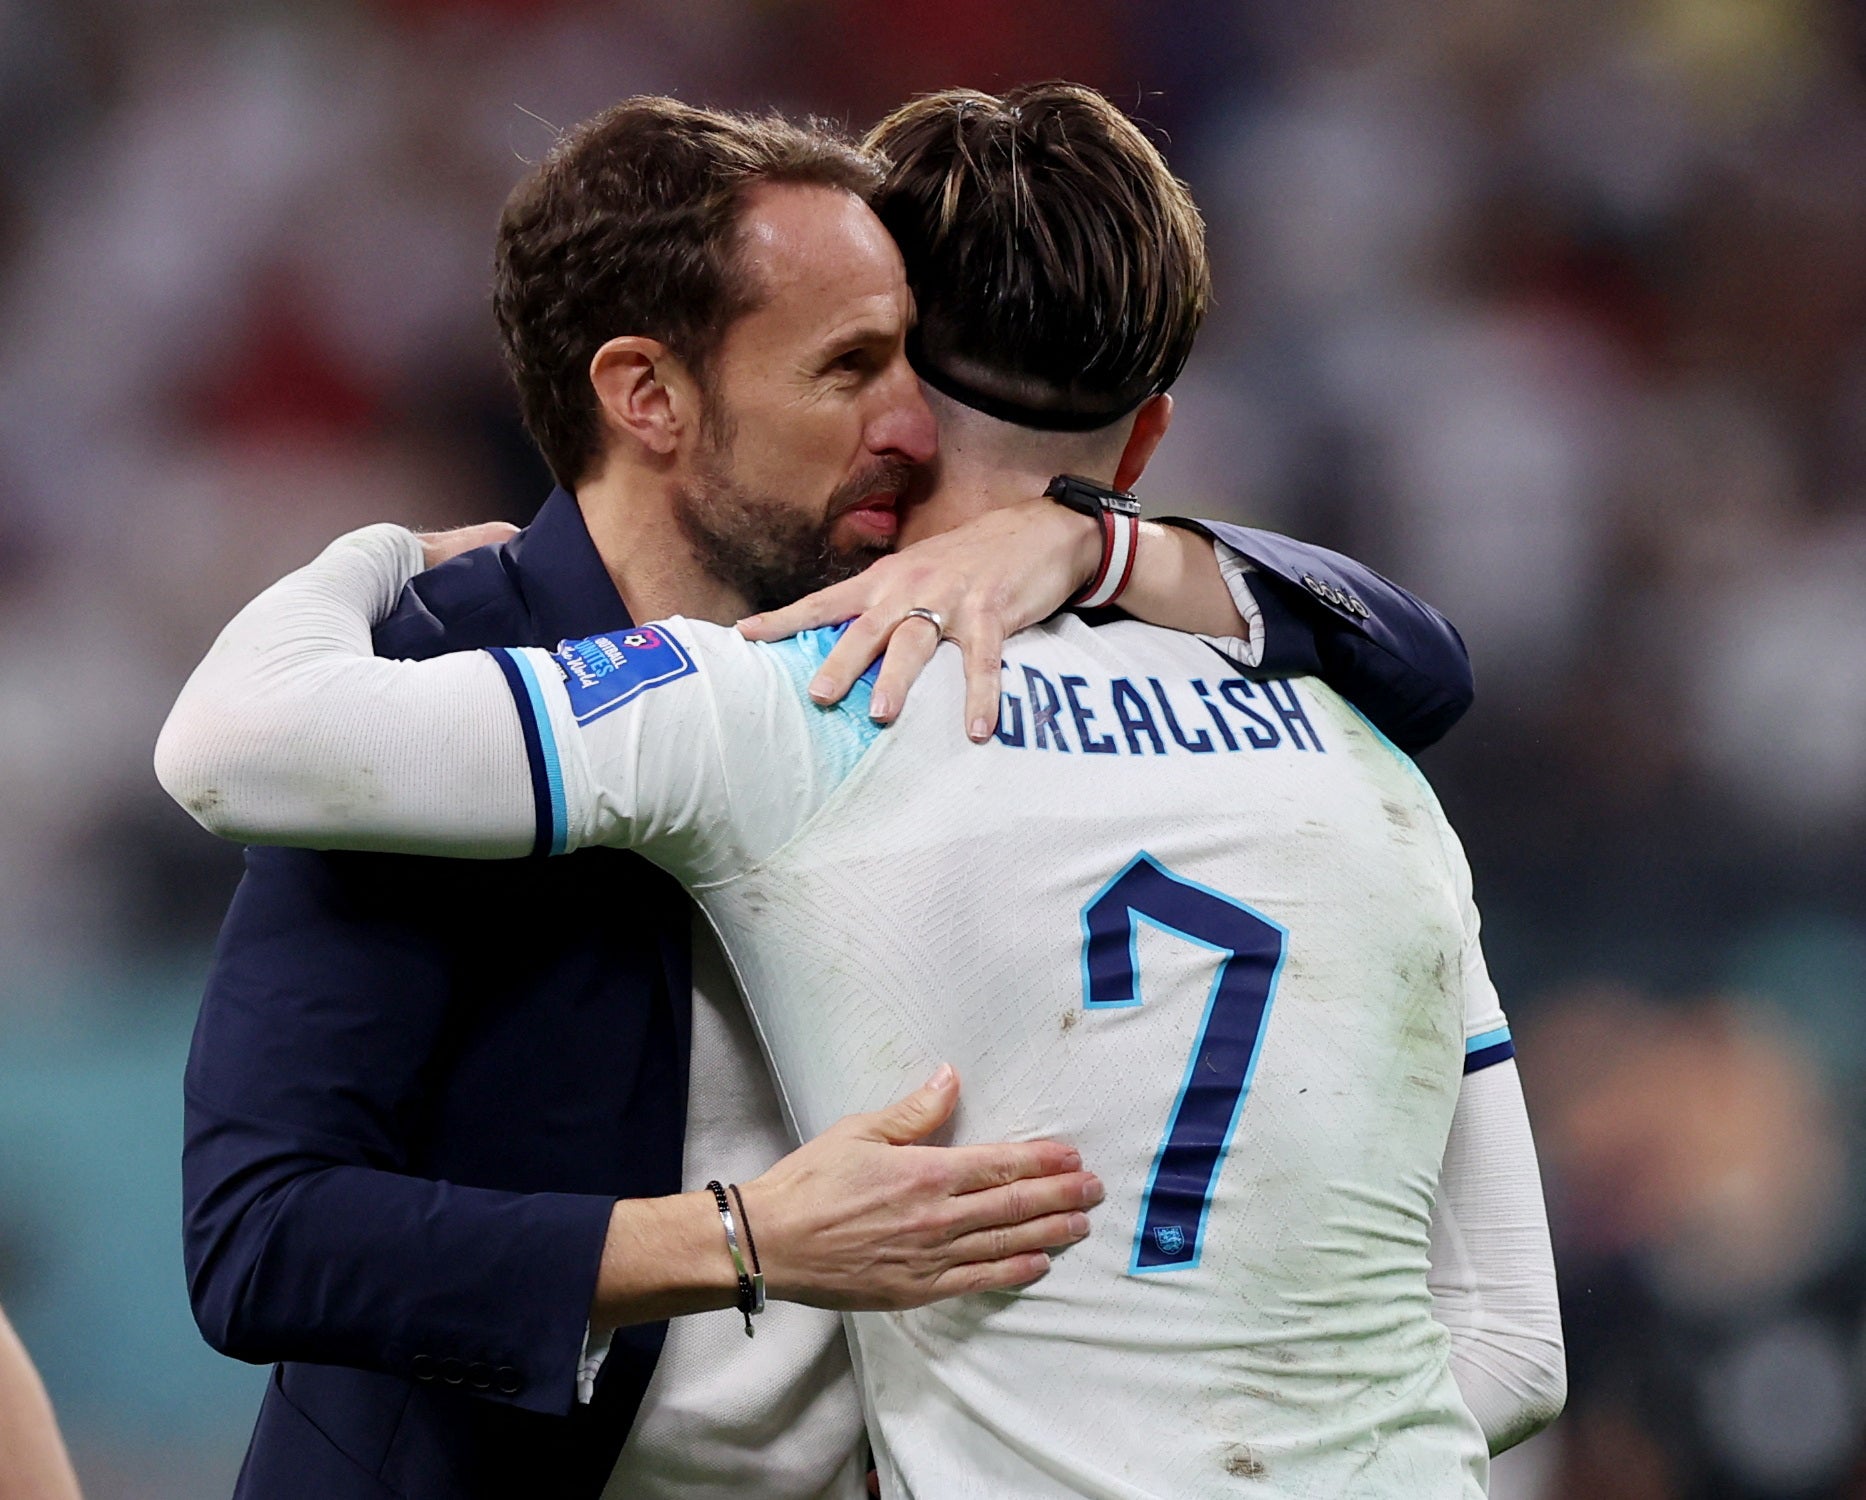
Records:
x=1486, y=1039
x=547, y=746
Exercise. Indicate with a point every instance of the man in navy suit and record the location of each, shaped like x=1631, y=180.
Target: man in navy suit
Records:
x=436, y=1111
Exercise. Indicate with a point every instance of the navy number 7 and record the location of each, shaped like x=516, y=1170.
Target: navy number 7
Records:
x=1224, y=1053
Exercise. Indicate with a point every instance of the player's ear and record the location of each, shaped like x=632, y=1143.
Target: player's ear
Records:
x=1150, y=423
x=645, y=392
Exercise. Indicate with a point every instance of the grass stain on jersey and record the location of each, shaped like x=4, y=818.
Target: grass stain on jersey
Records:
x=1241, y=1463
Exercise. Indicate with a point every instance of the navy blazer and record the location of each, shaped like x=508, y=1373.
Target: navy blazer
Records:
x=417, y=1085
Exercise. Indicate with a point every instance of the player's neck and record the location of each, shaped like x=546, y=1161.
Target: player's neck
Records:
x=965, y=491
x=649, y=557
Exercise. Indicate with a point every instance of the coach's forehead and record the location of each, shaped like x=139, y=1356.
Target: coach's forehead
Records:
x=821, y=256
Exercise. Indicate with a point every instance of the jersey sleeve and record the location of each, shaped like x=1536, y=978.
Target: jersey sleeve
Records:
x=681, y=740
x=1487, y=1039
x=292, y=731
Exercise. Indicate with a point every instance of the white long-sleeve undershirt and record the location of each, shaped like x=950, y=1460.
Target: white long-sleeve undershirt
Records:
x=1492, y=1273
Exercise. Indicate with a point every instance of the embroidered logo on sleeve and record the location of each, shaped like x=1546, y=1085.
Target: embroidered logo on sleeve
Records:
x=604, y=672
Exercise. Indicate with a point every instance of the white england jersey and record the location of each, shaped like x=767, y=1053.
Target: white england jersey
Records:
x=1213, y=932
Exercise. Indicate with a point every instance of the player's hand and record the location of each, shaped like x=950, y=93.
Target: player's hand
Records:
x=438, y=546
x=863, y=1219
x=987, y=580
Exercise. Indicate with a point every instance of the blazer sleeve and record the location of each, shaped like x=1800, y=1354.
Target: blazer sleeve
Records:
x=1391, y=655
x=305, y=1236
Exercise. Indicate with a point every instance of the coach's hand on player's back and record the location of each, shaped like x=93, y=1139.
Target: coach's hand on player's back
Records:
x=863, y=1218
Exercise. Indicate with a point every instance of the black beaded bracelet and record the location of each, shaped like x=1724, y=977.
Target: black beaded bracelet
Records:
x=751, y=1282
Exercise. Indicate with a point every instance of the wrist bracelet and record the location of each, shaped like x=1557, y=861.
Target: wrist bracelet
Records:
x=752, y=1280
x=1118, y=513
x=751, y=1246
x=1120, y=537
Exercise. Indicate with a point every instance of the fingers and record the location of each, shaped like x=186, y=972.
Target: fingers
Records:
x=1029, y=1201
x=910, y=648
x=438, y=546
x=906, y=644
x=975, y=1168
x=1051, y=1232
x=861, y=643
x=991, y=1275
x=919, y=1114
x=830, y=606
x=984, y=672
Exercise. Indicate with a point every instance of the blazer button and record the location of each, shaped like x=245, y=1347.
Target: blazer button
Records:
x=479, y=1376
x=422, y=1367
x=1359, y=609
x=453, y=1371
x=508, y=1381
x=1314, y=585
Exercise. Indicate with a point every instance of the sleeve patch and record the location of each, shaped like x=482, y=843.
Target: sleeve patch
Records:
x=603, y=672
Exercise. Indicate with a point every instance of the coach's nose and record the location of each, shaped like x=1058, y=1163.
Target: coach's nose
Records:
x=903, y=425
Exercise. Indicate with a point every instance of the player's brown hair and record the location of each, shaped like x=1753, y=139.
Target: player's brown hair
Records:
x=628, y=226
x=1059, y=266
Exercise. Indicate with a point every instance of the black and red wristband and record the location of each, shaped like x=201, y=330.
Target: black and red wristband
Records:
x=1119, y=516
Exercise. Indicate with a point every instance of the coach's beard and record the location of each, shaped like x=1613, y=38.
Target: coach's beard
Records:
x=763, y=548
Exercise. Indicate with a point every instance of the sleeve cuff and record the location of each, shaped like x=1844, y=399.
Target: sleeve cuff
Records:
x=1487, y=1049
x=549, y=804
x=590, y=1363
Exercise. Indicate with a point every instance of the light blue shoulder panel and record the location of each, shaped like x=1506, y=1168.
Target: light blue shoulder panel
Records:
x=844, y=732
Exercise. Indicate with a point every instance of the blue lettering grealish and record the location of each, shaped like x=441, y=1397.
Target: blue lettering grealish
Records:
x=603, y=672
x=1159, y=720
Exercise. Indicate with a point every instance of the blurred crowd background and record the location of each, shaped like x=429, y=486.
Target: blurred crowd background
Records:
x=1554, y=312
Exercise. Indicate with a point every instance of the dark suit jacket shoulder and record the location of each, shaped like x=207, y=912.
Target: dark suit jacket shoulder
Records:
x=1388, y=652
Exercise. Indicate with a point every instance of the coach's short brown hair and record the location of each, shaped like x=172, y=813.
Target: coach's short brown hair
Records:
x=1055, y=258
x=629, y=226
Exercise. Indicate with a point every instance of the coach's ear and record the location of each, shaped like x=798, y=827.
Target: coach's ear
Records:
x=645, y=393
x=1150, y=423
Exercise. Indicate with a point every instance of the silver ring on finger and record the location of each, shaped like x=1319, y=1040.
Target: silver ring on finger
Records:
x=931, y=616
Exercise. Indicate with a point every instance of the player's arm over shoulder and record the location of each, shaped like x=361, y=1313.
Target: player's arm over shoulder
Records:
x=680, y=739
x=291, y=731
